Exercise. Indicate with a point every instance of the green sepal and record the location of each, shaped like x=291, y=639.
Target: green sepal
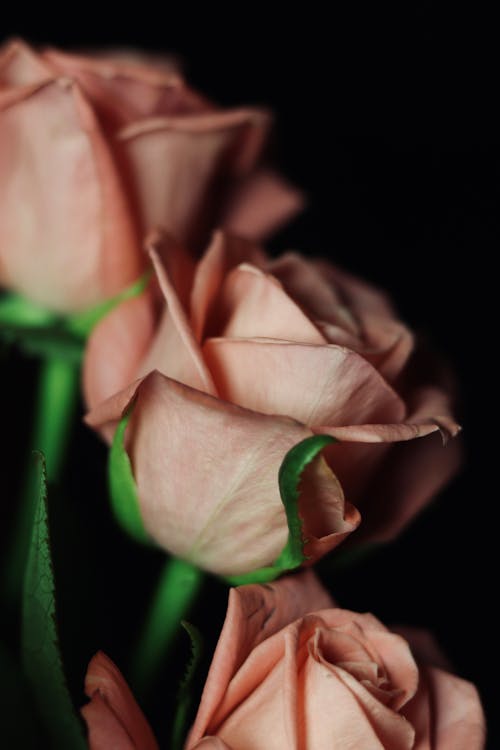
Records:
x=185, y=695
x=122, y=486
x=40, y=646
x=49, y=334
x=292, y=556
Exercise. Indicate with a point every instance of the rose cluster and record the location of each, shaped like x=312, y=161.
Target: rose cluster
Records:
x=212, y=374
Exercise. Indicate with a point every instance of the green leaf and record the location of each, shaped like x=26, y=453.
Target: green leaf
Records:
x=40, y=647
x=185, y=696
x=122, y=487
x=292, y=555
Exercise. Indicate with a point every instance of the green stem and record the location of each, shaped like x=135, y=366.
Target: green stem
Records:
x=56, y=401
x=176, y=591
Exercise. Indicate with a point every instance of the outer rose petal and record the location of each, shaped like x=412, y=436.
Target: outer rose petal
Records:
x=254, y=613
x=124, y=91
x=113, y=716
x=175, y=352
x=378, y=336
x=315, y=384
x=20, y=66
x=117, y=347
x=105, y=729
x=59, y=182
x=252, y=304
x=172, y=162
x=415, y=470
x=260, y=205
x=447, y=713
x=233, y=494
x=224, y=253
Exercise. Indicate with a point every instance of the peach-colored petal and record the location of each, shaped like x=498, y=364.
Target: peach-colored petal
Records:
x=123, y=91
x=117, y=347
x=304, y=281
x=360, y=721
x=255, y=612
x=233, y=494
x=105, y=729
x=60, y=194
x=105, y=680
x=315, y=384
x=267, y=715
x=252, y=304
x=415, y=471
x=362, y=299
x=173, y=161
x=424, y=646
x=224, y=253
x=21, y=66
x=327, y=517
x=176, y=260
x=447, y=713
x=370, y=331
x=260, y=205
x=174, y=351
x=105, y=416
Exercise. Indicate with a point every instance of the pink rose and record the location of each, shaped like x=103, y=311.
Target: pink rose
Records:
x=293, y=671
x=97, y=150
x=256, y=355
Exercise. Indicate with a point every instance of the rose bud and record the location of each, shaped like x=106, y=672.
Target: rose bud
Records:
x=97, y=150
x=255, y=356
x=292, y=670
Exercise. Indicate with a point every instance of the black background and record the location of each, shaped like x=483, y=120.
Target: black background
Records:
x=386, y=122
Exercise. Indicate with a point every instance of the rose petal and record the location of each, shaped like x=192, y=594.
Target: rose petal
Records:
x=113, y=708
x=424, y=646
x=174, y=351
x=415, y=470
x=59, y=182
x=105, y=416
x=117, y=347
x=173, y=160
x=304, y=281
x=360, y=719
x=22, y=66
x=315, y=384
x=327, y=517
x=255, y=612
x=124, y=91
x=224, y=253
x=253, y=304
x=233, y=494
x=362, y=299
x=105, y=728
x=447, y=713
x=260, y=205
